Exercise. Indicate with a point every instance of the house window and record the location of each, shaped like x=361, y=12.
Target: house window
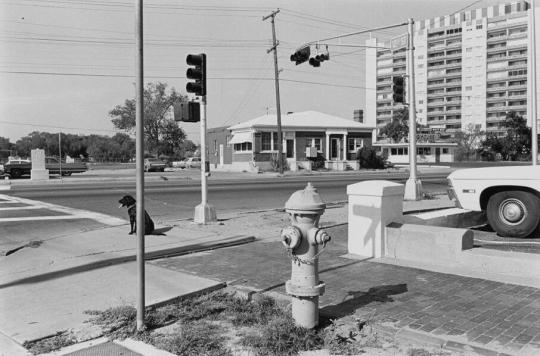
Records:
x=314, y=142
x=426, y=151
x=241, y=147
x=354, y=144
x=269, y=141
x=445, y=151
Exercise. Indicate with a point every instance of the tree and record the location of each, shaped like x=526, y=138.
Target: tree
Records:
x=515, y=145
x=162, y=134
x=398, y=128
x=468, y=142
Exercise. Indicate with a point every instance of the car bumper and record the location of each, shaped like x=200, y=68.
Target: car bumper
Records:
x=452, y=196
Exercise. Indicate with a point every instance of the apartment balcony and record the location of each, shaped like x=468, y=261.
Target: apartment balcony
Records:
x=436, y=104
x=453, y=75
x=496, y=59
x=516, y=107
x=496, y=108
x=438, y=85
x=496, y=119
x=453, y=45
x=496, y=49
x=496, y=89
x=496, y=39
x=437, y=48
x=453, y=84
x=436, y=95
x=496, y=99
x=453, y=111
x=515, y=87
x=517, y=97
x=453, y=56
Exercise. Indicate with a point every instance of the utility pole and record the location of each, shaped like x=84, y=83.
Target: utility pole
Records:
x=275, y=43
x=533, y=79
x=139, y=148
x=413, y=186
x=60, y=153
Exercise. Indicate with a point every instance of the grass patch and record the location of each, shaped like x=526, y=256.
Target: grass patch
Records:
x=56, y=342
x=220, y=324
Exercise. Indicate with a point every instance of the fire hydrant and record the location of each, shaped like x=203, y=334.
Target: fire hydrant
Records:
x=302, y=240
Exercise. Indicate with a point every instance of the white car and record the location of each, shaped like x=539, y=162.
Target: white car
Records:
x=510, y=196
x=193, y=162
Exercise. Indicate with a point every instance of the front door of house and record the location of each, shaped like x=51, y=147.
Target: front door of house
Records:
x=334, y=149
x=289, y=145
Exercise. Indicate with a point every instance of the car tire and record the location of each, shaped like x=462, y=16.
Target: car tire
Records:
x=514, y=213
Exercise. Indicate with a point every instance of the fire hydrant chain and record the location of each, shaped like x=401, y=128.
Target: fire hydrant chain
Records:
x=307, y=261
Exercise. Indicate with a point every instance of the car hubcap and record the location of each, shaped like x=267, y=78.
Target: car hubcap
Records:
x=512, y=211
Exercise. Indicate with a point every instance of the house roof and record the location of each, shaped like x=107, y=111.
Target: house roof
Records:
x=305, y=119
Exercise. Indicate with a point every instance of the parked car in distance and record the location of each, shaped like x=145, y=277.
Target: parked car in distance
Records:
x=154, y=164
x=18, y=168
x=179, y=164
x=193, y=162
x=510, y=196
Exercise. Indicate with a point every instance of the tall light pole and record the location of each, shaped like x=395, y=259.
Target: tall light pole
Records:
x=533, y=86
x=413, y=186
x=275, y=43
x=139, y=158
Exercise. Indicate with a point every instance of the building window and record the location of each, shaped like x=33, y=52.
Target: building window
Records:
x=445, y=151
x=400, y=151
x=426, y=151
x=268, y=141
x=354, y=144
x=314, y=142
x=242, y=147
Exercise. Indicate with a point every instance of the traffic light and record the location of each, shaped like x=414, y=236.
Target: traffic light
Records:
x=187, y=111
x=301, y=55
x=318, y=59
x=198, y=72
x=398, y=89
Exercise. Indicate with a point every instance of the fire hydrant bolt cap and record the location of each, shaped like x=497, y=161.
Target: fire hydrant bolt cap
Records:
x=307, y=200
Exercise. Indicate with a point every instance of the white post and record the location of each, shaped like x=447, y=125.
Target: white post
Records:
x=413, y=186
x=204, y=212
x=533, y=79
x=372, y=206
x=344, y=147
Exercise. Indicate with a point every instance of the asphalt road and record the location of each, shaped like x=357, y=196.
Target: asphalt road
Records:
x=174, y=199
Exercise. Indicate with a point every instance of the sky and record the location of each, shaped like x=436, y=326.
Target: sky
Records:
x=64, y=64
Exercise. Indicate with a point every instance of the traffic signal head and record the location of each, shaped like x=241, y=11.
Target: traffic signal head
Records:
x=301, y=55
x=314, y=62
x=197, y=72
x=187, y=111
x=398, y=89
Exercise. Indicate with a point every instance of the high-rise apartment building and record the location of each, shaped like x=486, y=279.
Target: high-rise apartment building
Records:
x=470, y=69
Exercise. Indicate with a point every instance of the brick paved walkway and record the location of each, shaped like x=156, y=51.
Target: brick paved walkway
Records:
x=495, y=316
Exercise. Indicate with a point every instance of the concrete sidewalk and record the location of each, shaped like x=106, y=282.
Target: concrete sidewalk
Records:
x=46, y=289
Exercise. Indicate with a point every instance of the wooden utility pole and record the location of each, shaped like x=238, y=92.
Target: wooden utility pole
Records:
x=533, y=86
x=275, y=43
x=139, y=148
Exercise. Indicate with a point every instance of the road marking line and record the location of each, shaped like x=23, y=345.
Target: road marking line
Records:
x=76, y=213
x=35, y=218
x=21, y=208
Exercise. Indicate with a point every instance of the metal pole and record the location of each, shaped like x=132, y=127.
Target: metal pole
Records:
x=139, y=145
x=60, y=152
x=413, y=187
x=276, y=80
x=204, y=212
x=533, y=79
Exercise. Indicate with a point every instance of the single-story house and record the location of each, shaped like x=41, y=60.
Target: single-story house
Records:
x=308, y=137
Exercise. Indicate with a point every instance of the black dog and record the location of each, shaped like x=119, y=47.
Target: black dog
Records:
x=129, y=202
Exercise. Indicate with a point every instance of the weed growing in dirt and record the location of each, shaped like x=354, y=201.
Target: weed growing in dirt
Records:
x=281, y=337
x=193, y=339
x=50, y=344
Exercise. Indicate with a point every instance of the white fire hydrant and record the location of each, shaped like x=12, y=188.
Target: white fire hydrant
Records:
x=302, y=240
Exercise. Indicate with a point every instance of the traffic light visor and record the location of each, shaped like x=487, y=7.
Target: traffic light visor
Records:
x=195, y=59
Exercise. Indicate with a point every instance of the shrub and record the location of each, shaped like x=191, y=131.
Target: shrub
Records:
x=368, y=158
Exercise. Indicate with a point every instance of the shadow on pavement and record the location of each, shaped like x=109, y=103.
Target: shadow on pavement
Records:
x=380, y=294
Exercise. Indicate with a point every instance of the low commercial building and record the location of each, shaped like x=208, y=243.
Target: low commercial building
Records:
x=426, y=152
x=309, y=138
